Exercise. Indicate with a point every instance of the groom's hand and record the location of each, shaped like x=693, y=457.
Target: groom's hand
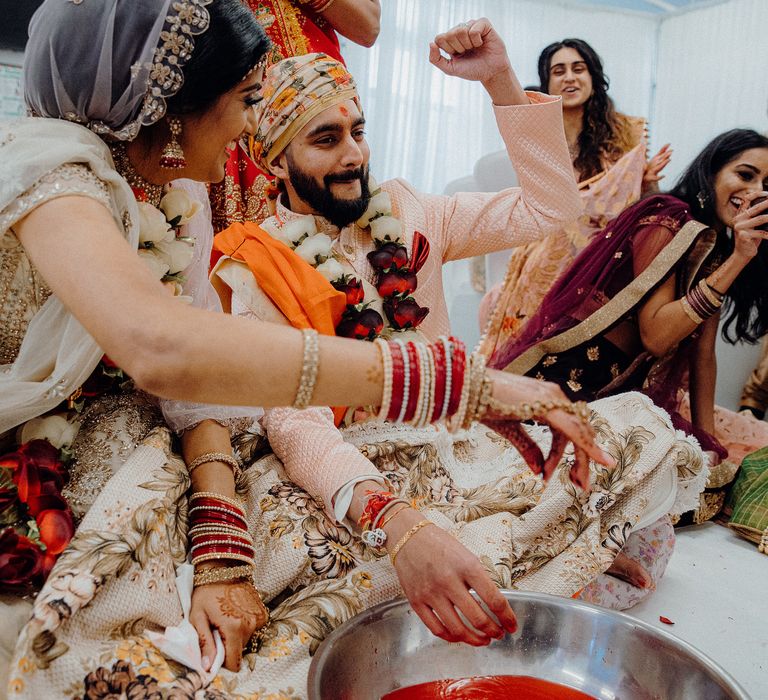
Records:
x=476, y=52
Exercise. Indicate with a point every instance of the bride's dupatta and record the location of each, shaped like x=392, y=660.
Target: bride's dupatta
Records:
x=600, y=289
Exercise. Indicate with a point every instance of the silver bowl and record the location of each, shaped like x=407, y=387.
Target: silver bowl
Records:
x=605, y=654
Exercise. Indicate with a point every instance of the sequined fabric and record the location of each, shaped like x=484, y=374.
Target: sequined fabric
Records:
x=22, y=290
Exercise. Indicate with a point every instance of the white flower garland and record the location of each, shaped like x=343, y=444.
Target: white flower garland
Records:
x=315, y=248
x=161, y=244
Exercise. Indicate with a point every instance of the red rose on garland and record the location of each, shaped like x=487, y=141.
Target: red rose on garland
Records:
x=38, y=475
x=352, y=287
x=388, y=256
x=21, y=562
x=396, y=282
x=363, y=324
x=404, y=313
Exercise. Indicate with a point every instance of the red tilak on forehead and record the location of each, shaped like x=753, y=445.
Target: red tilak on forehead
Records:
x=344, y=111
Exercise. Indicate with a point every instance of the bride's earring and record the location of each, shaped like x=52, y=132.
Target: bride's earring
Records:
x=702, y=197
x=172, y=157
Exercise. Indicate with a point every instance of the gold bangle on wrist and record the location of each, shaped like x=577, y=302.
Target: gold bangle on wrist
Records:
x=689, y=312
x=221, y=457
x=406, y=537
x=309, y=366
x=222, y=574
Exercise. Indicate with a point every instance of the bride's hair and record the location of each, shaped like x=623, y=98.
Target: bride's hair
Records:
x=233, y=44
x=746, y=306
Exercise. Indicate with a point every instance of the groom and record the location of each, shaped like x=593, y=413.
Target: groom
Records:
x=311, y=136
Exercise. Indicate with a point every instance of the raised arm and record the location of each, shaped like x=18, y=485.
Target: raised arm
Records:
x=358, y=20
x=532, y=129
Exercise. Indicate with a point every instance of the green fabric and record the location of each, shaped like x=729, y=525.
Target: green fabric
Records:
x=749, y=497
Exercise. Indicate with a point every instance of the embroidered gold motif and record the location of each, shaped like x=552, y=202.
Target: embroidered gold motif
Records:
x=573, y=382
x=615, y=370
x=593, y=353
x=549, y=360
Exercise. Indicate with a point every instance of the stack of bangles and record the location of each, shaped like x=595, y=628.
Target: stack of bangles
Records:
x=701, y=302
x=380, y=508
x=219, y=532
x=427, y=383
x=423, y=384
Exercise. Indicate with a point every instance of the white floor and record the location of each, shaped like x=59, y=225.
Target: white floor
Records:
x=715, y=590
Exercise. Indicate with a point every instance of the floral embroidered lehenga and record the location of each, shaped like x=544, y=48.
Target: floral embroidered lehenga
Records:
x=116, y=579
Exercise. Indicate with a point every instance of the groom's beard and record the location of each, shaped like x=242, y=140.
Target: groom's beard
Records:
x=340, y=212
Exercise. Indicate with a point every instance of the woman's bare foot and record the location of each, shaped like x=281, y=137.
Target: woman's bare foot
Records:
x=630, y=571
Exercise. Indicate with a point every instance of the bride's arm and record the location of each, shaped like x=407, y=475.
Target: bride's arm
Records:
x=167, y=347
x=232, y=607
x=175, y=351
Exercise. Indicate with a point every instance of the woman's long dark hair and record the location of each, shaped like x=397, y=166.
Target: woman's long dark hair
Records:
x=746, y=306
x=233, y=44
x=602, y=130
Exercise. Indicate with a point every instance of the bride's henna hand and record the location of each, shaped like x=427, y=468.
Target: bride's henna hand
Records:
x=236, y=610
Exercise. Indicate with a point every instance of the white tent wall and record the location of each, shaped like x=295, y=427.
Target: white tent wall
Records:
x=430, y=129
x=711, y=77
x=694, y=74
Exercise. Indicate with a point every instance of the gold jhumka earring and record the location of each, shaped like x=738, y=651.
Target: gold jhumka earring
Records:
x=172, y=157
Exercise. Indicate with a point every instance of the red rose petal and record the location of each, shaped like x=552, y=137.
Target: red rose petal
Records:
x=665, y=620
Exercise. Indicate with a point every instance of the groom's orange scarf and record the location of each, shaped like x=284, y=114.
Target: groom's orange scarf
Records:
x=298, y=290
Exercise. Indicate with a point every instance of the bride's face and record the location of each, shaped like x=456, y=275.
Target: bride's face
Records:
x=208, y=138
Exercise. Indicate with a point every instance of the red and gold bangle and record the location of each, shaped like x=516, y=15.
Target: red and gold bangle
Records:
x=414, y=384
x=222, y=538
x=215, y=513
x=429, y=390
x=221, y=549
x=398, y=380
x=458, y=367
x=448, y=347
x=230, y=556
x=438, y=357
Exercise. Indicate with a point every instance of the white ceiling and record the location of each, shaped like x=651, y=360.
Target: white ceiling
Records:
x=649, y=7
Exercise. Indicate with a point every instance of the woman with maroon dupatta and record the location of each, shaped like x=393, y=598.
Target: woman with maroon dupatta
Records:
x=639, y=308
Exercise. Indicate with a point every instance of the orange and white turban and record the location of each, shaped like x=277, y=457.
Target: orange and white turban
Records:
x=295, y=90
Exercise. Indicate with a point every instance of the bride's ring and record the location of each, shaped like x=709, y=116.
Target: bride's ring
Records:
x=468, y=23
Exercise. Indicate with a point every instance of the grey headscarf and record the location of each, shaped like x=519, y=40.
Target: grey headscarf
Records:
x=109, y=64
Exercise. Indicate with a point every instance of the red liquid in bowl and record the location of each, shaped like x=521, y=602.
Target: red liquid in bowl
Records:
x=488, y=688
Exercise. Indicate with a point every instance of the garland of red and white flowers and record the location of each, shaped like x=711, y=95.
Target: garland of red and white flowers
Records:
x=36, y=523
x=395, y=270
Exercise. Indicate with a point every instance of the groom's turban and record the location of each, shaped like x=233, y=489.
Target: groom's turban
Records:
x=294, y=92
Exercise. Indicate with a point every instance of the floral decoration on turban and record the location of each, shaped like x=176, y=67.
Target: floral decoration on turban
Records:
x=295, y=91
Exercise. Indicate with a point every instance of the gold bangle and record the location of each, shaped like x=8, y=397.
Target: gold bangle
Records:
x=713, y=297
x=386, y=394
x=220, y=574
x=221, y=457
x=222, y=556
x=309, y=365
x=211, y=494
x=407, y=536
x=689, y=312
x=324, y=7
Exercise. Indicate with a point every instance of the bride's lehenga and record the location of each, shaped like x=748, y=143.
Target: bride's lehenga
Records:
x=116, y=579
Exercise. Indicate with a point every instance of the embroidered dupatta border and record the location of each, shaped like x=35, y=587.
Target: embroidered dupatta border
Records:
x=616, y=307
